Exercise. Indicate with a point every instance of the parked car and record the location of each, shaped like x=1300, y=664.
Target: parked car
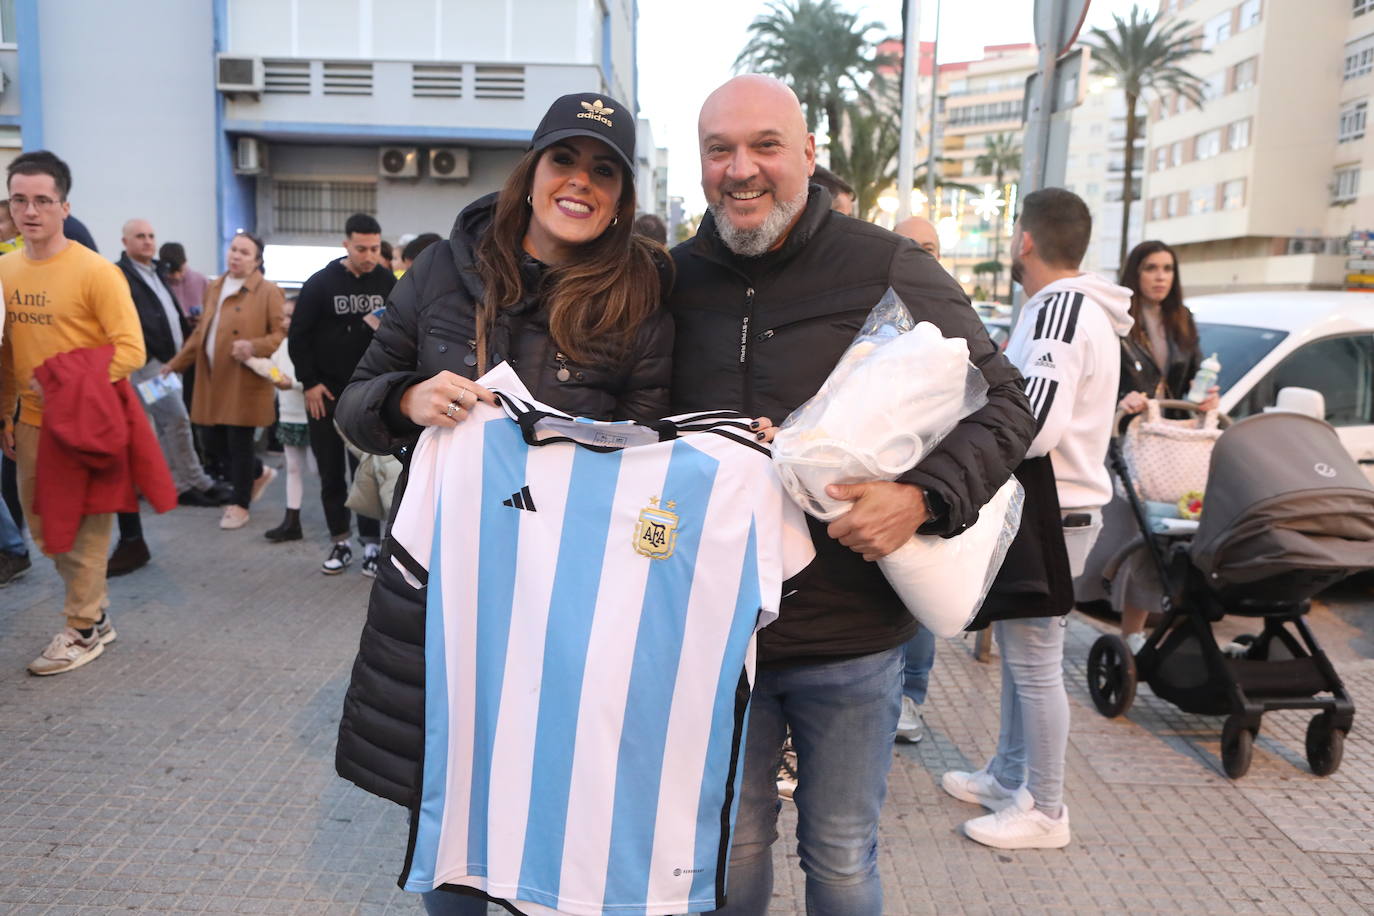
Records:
x=1272, y=340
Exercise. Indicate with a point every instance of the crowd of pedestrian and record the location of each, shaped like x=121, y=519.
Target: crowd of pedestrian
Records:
x=556, y=276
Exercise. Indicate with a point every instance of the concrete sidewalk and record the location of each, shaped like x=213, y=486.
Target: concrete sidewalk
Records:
x=190, y=769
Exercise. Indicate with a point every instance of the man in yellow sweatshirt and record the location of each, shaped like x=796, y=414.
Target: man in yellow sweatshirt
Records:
x=59, y=296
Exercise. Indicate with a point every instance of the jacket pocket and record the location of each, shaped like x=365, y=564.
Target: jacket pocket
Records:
x=448, y=346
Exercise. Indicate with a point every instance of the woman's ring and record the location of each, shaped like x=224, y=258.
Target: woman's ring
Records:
x=452, y=406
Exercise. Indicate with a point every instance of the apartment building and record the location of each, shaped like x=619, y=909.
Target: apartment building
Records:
x=1095, y=170
x=284, y=116
x=1259, y=188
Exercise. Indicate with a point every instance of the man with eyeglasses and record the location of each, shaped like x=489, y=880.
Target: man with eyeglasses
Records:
x=59, y=297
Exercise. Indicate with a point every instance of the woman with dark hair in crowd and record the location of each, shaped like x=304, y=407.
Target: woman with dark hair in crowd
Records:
x=548, y=276
x=1159, y=358
x=242, y=318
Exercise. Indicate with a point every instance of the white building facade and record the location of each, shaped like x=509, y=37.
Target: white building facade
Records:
x=285, y=116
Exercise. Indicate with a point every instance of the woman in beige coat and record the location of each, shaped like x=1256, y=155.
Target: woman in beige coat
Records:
x=242, y=318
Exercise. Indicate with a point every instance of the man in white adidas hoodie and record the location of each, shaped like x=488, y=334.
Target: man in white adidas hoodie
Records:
x=1066, y=344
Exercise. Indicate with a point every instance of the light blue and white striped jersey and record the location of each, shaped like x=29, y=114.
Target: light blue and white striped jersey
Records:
x=594, y=590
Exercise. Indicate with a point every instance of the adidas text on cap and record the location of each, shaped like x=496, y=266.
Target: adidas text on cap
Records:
x=588, y=114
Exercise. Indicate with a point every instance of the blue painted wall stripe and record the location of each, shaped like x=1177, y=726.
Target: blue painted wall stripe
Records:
x=30, y=75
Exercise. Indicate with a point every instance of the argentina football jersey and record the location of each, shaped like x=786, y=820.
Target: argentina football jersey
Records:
x=593, y=595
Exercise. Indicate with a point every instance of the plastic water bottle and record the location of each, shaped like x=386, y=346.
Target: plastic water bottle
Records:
x=1206, y=377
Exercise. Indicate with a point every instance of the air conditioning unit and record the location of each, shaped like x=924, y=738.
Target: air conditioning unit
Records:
x=448, y=163
x=235, y=74
x=250, y=156
x=398, y=162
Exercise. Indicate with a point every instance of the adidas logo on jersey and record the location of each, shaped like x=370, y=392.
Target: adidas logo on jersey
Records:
x=521, y=500
x=1044, y=362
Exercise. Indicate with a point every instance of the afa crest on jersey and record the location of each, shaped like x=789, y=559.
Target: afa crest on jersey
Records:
x=656, y=531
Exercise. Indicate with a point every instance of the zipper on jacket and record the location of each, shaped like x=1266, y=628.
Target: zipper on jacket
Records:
x=745, y=355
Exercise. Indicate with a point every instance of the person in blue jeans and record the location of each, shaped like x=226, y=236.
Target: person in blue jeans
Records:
x=769, y=294
x=14, y=550
x=918, y=657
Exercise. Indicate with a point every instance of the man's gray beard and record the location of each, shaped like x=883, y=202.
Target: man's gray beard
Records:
x=751, y=243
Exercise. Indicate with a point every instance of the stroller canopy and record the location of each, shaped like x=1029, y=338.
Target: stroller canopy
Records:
x=1283, y=495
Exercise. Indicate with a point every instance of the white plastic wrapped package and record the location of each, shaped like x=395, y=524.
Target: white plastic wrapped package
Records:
x=895, y=393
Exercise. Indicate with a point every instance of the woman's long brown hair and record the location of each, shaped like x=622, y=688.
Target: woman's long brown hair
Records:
x=598, y=300
x=1178, y=320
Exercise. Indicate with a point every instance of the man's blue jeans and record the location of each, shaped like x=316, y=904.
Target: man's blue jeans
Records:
x=920, y=658
x=11, y=538
x=843, y=717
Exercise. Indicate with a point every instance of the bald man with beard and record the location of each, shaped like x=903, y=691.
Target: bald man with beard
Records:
x=770, y=292
x=164, y=331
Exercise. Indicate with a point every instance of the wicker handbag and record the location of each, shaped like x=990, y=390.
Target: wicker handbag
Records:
x=1169, y=458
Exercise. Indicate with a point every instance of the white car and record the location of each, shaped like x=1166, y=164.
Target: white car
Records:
x=1272, y=340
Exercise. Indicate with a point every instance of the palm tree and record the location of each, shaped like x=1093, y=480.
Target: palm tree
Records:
x=818, y=49
x=1001, y=156
x=1142, y=57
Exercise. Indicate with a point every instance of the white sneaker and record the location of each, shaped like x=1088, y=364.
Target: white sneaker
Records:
x=979, y=787
x=911, y=727
x=67, y=651
x=1020, y=825
x=1135, y=642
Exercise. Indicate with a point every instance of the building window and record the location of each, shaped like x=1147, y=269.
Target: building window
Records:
x=1208, y=144
x=1171, y=206
x=1154, y=208
x=1161, y=158
x=1176, y=153
x=1218, y=29
x=1203, y=199
x=8, y=33
x=1243, y=75
x=1363, y=6
x=319, y=207
x=1249, y=14
x=1345, y=184
x=1238, y=134
x=1214, y=87
x=1233, y=194
x=1359, y=56
x=1352, y=121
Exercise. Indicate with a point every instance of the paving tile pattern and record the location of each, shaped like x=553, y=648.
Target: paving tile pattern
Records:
x=190, y=770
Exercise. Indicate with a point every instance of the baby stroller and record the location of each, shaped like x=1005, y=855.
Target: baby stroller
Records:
x=1287, y=514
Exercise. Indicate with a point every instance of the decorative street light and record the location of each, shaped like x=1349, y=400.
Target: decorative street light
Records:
x=989, y=203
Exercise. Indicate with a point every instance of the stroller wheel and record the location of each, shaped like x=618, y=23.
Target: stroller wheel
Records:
x=1237, y=746
x=1111, y=675
x=1325, y=745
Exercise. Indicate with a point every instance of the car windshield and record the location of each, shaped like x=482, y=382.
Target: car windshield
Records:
x=1237, y=347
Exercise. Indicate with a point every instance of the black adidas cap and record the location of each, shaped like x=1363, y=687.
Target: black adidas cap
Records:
x=587, y=114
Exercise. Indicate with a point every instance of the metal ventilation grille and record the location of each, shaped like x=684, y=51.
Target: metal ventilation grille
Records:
x=347, y=78
x=499, y=82
x=286, y=77
x=436, y=81
x=319, y=207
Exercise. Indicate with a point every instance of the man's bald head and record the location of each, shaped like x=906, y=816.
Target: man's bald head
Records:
x=139, y=240
x=921, y=231
x=756, y=159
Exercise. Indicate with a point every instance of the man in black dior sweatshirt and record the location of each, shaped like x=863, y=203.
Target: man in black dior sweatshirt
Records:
x=328, y=336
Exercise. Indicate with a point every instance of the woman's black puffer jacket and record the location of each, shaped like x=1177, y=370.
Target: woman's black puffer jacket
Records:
x=430, y=325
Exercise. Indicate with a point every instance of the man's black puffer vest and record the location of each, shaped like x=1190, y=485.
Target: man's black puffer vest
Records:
x=429, y=326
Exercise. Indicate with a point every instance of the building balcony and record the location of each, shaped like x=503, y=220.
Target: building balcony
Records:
x=392, y=101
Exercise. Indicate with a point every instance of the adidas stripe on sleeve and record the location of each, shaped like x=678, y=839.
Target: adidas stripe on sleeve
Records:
x=592, y=604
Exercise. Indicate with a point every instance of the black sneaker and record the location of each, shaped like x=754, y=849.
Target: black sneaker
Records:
x=370, y=554
x=340, y=555
x=13, y=566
